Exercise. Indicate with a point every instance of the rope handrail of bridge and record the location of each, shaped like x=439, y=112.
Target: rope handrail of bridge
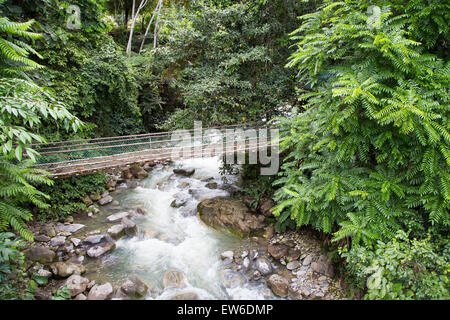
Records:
x=95, y=147
x=101, y=150
x=137, y=136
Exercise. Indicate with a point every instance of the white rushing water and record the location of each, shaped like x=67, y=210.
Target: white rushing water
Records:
x=176, y=239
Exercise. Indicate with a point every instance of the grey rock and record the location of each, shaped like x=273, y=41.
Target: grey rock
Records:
x=44, y=273
x=57, y=241
x=185, y=296
x=40, y=254
x=80, y=297
x=173, y=279
x=76, y=242
x=100, y=249
x=76, y=284
x=48, y=230
x=277, y=251
x=95, y=239
x=117, y=216
x=66, y=269
x=101, y=292
x=129, y=226
x=73, y=228
x=116, y=231
x=40, y=294
x=279, y=285
x=134, y=287
x=184, y=171
x=307, y=260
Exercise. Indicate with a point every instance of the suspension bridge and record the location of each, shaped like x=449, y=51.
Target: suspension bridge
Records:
x=86, y=156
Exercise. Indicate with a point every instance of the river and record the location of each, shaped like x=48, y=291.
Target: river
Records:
x=175, y=238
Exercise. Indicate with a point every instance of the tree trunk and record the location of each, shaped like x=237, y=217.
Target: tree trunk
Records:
x=158, y=5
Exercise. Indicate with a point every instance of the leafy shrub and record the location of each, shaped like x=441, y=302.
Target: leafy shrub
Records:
x=13, y=277
x=400, y=269
x=371, y=141
x=68, y=193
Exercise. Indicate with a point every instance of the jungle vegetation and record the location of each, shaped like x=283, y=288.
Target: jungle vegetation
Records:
x=360, y=89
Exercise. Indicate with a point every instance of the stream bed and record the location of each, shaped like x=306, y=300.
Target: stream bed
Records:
x=175, y=238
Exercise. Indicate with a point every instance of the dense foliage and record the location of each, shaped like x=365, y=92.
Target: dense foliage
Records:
x=67, y=195
x=25, y=106
x=369, y=149
x=365, y=148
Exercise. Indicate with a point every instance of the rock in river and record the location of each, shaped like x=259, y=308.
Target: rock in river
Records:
x=99, y=249
x=230, y=214
x=65, y=269
x=117, y=231
x=117, y=216
x=187, y=172
x=57, y=241
x=101, y=292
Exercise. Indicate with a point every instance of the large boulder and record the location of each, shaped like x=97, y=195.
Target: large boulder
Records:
x=279, y=285
x=100, y=249
x=101, y=292
x=173, y=279
x=116, y=231
x=66, y=269
x=278, y=250
x=72, y=228
x=40, y=254
x=76, y=284
x=229, y=214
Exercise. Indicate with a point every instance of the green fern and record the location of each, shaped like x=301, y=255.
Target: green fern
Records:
x=369, y=152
